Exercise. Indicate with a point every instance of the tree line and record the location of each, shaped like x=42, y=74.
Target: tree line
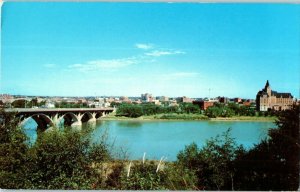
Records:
x=137, y=110
x=217, y=110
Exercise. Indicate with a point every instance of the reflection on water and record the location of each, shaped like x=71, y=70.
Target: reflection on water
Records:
x=129, y=123
x=30, y=130
x=167, y=138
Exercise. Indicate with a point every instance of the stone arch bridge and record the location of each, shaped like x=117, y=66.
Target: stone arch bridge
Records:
x=46, y=118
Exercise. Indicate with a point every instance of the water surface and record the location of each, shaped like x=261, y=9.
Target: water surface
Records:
x=167, y=138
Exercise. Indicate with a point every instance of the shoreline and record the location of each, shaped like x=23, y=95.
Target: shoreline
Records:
x=152, y=118
x=254, y=119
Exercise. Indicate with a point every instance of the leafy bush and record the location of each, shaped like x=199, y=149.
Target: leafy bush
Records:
x=13, y=153
x=58, y=159
x=62, y=160
x=179, y=177
x=274, y=163
x=147, y=176
x=213, y=164
x=143, y=177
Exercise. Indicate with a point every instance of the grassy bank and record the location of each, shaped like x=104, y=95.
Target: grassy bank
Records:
x=245, y=118
x=175, y=116
x=185, y=116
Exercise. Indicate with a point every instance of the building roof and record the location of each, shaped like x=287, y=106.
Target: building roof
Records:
x=275, y=93
x=283, y=95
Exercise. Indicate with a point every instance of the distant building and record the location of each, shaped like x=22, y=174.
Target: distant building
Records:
x=81, y=100
x=223, y=100
x=6, y=96
x=173, y=103
x=266, y=99
x=147, y=97
x=125, y=99
x=110, y=99
x=48, y=104
x=204, y=104
x=156, y=102
x=162, y=98
x=247, y=103
x=237, y=100
x=185, y=99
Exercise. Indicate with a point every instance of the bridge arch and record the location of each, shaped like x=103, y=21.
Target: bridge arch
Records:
x=87, y=116
x=98, y=115
x=70, y=119
x=43, y=121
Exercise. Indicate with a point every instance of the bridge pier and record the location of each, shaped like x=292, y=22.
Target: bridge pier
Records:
x=76, y=123
x=93, y=119
x=56, y=120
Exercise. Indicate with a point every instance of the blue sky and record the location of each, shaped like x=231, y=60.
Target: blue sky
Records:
x=172, y=49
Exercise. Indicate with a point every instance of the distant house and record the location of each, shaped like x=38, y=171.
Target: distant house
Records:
x=204, y=104
x=266, y=99
x=247, y=103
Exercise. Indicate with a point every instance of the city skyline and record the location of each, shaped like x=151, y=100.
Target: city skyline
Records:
x=179, y=49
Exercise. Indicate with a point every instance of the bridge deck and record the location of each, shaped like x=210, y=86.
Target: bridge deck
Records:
x=24, y=110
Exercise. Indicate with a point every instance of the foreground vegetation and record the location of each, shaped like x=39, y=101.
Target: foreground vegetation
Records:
x=70, y=160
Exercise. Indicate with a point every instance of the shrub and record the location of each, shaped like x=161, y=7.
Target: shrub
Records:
x=13, y=151
x=273, y=164
x=61, y=160
x=142, y=177
x=213, y=164
x=58, y=159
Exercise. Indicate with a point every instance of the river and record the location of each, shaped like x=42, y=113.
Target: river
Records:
x=167, y=138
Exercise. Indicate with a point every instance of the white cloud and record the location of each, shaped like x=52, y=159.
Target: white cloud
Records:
x=115, y=64
x=144, y=46
x=104, y=64
x=177, y=75
x=158, y=53
x=49, y=65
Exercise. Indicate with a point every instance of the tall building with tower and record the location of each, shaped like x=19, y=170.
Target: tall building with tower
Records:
x=267, y=99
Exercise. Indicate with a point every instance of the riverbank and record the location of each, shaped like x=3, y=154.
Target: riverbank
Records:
x=245, y=118
x=196, y=117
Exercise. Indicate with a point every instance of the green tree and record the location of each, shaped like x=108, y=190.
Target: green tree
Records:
x=213, y=112
x=13, y=153
x=129, y=110
x=57, y=160
x=234, y=107
x=190, y=108
x=274, y=163
x=115, y=104
x=63, y=159
x=213, y=164
x=20, y=103
x=150, y=109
